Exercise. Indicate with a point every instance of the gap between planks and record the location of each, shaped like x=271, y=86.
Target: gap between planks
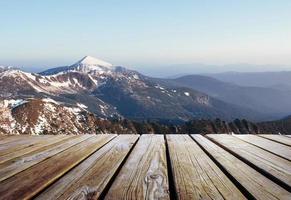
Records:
x=268, y=145
x=18, y=164
x=272, y=166
x=31, y=181
x=31, y=148
x=90, y=178
x=144, y=174
x=254, y=183
x=196, y=175
x=278, y=138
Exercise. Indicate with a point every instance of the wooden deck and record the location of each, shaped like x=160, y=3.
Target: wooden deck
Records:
x=145, y=167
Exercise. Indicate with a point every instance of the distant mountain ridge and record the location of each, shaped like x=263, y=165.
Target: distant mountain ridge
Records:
x=111, y=91
x=277, y=80
x=270, y=101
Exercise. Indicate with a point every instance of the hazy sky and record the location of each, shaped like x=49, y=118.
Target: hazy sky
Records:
x=145, y=33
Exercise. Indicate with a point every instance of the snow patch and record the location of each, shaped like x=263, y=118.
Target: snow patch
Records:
x=187, y=94
x=81, y=105
x=39, y=127
x=30, y=76
x=135, y=76
x=13, y=103
x=159, y=87
x=48, y=100
x=103, y=108
x=93, y=80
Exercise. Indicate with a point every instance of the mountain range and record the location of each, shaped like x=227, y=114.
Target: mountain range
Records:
x=93, y=87
x=272, y=102
x=278, y=80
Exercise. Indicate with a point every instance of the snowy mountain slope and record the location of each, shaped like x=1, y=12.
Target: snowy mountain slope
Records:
x=5, y=68
x=54, y=84
x=38, y=117
x=47, y=116
x=88, y=64
x=113, y=91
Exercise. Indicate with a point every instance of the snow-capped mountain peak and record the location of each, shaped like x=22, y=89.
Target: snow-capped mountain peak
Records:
x=89, y=60
x=87, y=64
x=91, y=64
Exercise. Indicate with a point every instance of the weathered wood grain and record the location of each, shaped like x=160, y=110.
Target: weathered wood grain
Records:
x=255, y=183
x=144, y=175
x=4, y=138
x=196, y=175
x=26, y=143
x=278, y=138
x=18, y=164
x=11, y=138
x=12, y=141
x=88, y=180
x=271, y=146
x=32, y=145
x=73, y=169
x=31, y=181
x=272, y=164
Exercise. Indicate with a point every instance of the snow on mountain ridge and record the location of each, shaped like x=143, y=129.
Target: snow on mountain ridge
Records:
x=5, y=68
x=89, y=60
x=52, y=84
x=89, y=64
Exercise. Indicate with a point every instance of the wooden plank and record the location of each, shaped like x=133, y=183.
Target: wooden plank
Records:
x=144, y=175
x=32, y=145
x=270, y=163
x=31, y=181
x=89, y=179
x=5, y=138
x=22, y=143
x=255, y=183
x=23, y=162
x=273, y=147
x=10, y=138
x=12, y=141
x=196, y=175
x=278, y=138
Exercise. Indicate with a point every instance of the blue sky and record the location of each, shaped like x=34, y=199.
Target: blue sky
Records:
x=143, y=34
